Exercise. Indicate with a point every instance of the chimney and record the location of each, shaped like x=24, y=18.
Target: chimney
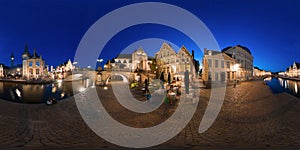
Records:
x=193, y=54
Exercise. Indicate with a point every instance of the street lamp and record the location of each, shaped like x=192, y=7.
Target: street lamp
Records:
x=236, y=68
x=99, y=60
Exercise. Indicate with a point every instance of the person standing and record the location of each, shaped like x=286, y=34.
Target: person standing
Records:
x=234, y=83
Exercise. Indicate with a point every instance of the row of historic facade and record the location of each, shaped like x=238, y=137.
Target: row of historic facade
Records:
x=33, y=67
x=167, y=61
x=292, y=71
x=232, y=63
x=257, y=72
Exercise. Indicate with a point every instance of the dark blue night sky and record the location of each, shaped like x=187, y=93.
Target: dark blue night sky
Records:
x=269, y=28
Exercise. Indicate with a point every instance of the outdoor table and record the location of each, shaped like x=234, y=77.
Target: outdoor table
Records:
x=172, y=96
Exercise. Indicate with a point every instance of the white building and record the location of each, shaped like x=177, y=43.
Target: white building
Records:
x=244, y=58
x=218, y=67
x=293, y=70
x=138, y=60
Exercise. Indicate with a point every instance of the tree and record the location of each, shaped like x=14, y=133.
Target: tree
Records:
x=153, y=65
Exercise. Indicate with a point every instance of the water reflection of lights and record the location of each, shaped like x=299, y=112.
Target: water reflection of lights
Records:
x=62, y=94
x=281, y=82
x=296, y=88
x=18, y=93
x=59, y=84
x=268, y=79
x=54, y=89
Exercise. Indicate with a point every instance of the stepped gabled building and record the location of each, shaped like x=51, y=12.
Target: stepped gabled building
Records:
x=33, y=65
x=175, y=63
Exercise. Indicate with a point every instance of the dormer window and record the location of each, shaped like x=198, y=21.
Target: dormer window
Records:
x=209, y=53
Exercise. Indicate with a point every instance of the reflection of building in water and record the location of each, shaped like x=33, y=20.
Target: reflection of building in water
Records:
x=1, y=88
x=33, y=92
x=33, y=65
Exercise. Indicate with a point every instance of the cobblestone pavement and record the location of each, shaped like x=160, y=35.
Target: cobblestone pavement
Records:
x=251, y=117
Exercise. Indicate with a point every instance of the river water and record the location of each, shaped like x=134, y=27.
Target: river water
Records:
x=279, y=85
x=35, y=93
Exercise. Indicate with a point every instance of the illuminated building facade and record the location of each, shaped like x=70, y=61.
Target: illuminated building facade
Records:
x=33, y=65
x=218, y=67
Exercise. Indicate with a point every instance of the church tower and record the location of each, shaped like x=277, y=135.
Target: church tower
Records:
x=26, y=53
x=12, y=59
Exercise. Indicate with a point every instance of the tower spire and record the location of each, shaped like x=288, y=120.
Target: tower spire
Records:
x=26, y=48
x=12, y=59
x=34, y=53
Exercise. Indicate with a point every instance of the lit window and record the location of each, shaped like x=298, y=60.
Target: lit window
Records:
x=31, y=71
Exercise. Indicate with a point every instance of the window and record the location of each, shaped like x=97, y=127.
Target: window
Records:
x=223, y=76
x=216, y=76
x=228, y=64
x=228, y=75
x=216, y=63
x=209, y=75
x=37, y=71
x=30, y=64
x=222, y=64
x=31, y=71
x=209, y=63
x=37, y=63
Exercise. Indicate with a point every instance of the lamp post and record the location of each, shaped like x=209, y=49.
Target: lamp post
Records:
x=99, y=61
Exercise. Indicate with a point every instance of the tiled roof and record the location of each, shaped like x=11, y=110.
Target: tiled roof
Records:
x=213, y=52
x=124, y=56
x=243, y=47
